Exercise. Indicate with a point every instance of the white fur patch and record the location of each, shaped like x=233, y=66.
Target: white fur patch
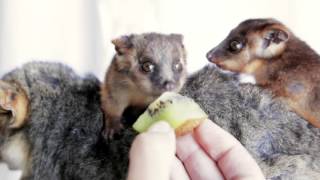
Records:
x=247, y=79
x=14, y=152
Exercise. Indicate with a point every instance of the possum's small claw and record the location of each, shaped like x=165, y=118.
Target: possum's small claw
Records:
x=112, y=129
x=14, y=103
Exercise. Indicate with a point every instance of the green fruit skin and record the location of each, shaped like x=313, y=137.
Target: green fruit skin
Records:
x=176, y=111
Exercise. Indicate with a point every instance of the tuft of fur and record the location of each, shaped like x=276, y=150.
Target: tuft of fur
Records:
x=64, y=129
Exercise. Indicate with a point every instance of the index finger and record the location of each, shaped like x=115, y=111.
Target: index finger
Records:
x=233, y=160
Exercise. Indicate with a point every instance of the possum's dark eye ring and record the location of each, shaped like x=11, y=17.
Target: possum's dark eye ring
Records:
x=147, y=67
x=236, y=46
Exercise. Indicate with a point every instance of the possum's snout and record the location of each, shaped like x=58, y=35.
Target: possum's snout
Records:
x=213, y=57
x=210, y=55
x=168, y=85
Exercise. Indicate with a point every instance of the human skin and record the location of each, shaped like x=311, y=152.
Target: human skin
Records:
x=208, y=153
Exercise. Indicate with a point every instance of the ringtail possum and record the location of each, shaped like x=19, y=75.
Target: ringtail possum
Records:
x=51, y=123
x=144, y=66
x=61, y=134
x=267, y=53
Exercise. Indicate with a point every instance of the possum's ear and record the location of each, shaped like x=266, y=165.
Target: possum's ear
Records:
x=14, y=105
x=275, y=35
x=122, y=44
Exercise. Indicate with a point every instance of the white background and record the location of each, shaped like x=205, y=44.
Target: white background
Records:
x=78, y=32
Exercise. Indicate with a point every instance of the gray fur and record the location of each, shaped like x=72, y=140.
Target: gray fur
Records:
x=284, y=145
x=65, y=125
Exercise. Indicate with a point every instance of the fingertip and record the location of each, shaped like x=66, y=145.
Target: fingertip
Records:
x=186, y=145
x=152, y=152
x=159, y=137
x=161, y=127
x=213, y=139
x=232, y=158
x=198, y=164
x=207, y=125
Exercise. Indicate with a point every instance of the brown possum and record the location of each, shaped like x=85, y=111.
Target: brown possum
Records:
x=265, y=52
x=144, y=67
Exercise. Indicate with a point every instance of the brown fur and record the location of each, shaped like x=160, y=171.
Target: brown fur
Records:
x=278, y=60
x=14, y=107
x=126, y=84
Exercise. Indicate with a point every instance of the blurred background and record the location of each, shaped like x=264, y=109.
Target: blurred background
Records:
x=79, y=32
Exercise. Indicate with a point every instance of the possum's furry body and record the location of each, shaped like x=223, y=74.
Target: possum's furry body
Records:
x=65, y=124
x=284, y=146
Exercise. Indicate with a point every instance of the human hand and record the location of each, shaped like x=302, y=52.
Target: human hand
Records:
x=152, y=155
x=212, y=153
x=208, y=153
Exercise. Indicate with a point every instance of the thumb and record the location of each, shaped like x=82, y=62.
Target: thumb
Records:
x=152, y=153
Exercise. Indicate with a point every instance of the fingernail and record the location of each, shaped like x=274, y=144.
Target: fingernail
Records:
x=161, y=126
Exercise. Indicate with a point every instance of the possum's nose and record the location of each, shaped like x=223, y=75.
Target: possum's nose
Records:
x=210, y=55
x=168, y=85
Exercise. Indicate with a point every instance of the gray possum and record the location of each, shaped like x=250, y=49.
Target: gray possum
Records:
x=145, y=66
x=61, y=135
x=60, y=138
x=275, y=59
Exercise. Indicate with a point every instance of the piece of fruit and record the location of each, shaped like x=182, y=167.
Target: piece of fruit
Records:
x=182, y=113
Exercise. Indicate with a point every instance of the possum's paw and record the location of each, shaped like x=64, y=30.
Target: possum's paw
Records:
x=13, y=105
x=113, y=126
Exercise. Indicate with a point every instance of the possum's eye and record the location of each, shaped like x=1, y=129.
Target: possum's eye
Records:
x=147, y=67
x=236, y=46
x=177, y=67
